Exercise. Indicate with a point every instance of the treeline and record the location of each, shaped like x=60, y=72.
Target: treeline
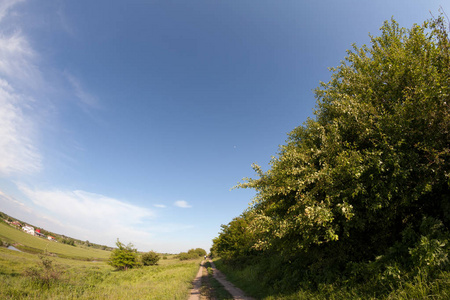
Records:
x=191, y=254
x=126, y=257
x=360, y=194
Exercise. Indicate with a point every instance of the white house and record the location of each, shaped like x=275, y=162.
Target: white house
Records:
x=28, y=229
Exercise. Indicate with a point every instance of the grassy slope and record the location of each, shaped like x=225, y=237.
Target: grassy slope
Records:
x=39, y=245
x=170, y=279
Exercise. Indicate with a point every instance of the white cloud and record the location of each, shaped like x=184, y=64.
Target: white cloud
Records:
x=97, y=218
x=159, y=205
x=18, y=153
x=17, y=61
x=92, y=216
x=18, y=74
x=182, y=204
x=92, y=209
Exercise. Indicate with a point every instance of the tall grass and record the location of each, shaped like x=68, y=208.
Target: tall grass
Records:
x=170, y=279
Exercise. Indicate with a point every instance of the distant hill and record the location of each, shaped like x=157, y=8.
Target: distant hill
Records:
x=5, y=218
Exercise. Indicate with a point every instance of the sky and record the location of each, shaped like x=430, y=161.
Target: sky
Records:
x=133, y=120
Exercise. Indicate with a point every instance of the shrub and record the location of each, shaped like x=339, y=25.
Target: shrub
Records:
x=45, y=273
x=150, y=258
x=185, y=256
x=124, y=257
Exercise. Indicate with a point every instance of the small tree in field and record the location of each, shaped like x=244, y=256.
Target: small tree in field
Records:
x=150, y=258
x=124, y=257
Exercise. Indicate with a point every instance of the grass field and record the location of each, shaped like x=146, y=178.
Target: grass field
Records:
x=69, y=275
x=171, y=279
x=34, y=244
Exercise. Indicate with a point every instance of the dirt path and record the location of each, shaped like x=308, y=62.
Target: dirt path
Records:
x=197, y=283
x=237, y=293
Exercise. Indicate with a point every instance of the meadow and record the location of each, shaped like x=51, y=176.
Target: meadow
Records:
x=39, y=276
x=34, y=244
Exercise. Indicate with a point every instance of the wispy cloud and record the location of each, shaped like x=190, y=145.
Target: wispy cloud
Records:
x=182, y=204
x=5, y=5
x=159, y=205
x=18, y=75
x=65, y=24
x=94, y=209
x=11, y=200
x=17, y=60
x=94, y=217
x=87, y=100
x=85, y=214
x=18, y=153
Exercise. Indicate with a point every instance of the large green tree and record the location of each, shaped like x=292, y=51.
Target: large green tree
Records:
x=374, y=162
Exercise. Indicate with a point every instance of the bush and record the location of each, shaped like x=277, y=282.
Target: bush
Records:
x=124, y=257
x=186, y=256
x=150, y=258
x=45, y=273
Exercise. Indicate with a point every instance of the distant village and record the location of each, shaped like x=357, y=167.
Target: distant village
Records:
x=30, y=230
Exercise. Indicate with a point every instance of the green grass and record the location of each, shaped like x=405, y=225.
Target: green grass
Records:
x=34, y=244
x=170, y=279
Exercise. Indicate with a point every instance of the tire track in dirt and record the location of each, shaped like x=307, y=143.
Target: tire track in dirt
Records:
x=237, y=293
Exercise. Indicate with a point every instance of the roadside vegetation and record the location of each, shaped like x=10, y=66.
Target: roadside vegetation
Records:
x=356, y=205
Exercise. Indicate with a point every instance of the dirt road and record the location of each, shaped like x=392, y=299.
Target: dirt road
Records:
x=237, y=293
x=197, y=284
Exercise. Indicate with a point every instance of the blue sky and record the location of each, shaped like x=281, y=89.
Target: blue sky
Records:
x=134, y=119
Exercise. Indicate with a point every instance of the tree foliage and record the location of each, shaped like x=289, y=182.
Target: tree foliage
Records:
x=235, y=240
x=369, y=176
x=123, y=257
